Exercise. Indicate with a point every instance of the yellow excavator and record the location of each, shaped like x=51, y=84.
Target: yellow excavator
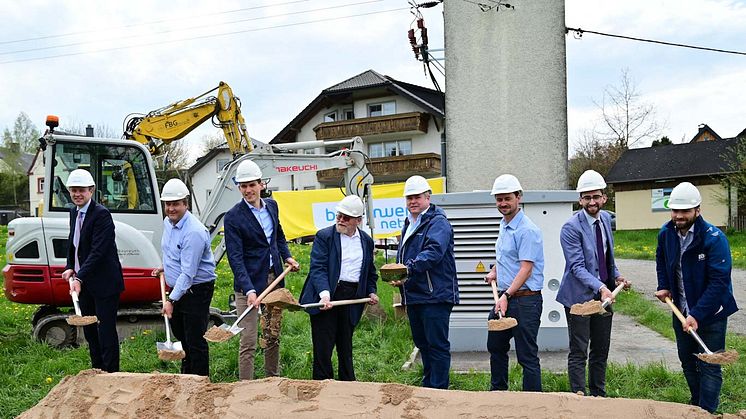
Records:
x=173, y=122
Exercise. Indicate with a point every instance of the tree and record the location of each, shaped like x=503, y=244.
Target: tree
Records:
x=212, y=141
x=663, y=141
x=24, y=133
x=626, y=119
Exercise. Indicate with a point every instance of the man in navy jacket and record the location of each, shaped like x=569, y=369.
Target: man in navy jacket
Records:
x=256, y=249
x=93, y=263
x=694, y=264
x=342, y=268
x=590, y=273
x=431, y=288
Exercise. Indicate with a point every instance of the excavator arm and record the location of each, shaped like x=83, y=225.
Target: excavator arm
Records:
x=173, y=122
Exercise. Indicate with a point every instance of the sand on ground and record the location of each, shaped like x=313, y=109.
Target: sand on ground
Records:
x=96, y=394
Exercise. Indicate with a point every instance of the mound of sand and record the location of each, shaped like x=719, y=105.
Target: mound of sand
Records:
x=95, y=394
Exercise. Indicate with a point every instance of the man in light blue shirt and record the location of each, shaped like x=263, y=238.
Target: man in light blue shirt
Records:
x=189, y=268
x=520, y=277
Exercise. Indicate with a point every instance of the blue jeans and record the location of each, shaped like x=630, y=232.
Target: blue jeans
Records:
x=704, y=379
x=429, y=325
x=527, y=311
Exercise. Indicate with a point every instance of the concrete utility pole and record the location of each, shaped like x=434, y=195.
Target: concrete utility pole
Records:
x=506, y=94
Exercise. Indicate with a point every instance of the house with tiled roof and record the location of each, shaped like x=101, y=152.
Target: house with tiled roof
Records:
x=643, y=178
x=401, y=125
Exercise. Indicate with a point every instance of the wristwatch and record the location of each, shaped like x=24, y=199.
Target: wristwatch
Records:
x=507, y=295
x=170, y=300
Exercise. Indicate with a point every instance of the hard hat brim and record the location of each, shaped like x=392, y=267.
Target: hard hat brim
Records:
x=347, y=212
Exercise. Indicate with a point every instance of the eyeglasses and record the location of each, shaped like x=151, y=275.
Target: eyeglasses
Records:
x=344, y=217
x=588, y=198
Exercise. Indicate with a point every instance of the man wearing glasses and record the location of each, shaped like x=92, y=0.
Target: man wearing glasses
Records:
x=342, y=268
x=256, y=249
x=431, y=288
x=590, y=273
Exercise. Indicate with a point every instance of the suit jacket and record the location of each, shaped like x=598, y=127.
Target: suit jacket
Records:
x=580, y=281
x=248, y=249
x=326, y=263
x=100, y=269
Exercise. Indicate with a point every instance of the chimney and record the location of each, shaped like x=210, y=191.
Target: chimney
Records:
x=89, y=131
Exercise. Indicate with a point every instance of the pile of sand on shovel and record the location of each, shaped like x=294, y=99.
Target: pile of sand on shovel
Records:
x=281, y=297
x=76, y=320
x=93, y=394
x=727, y=357
x=497, y=325
x=217, y=334
x=393, y=272
x=168, y=355
x=587, y=308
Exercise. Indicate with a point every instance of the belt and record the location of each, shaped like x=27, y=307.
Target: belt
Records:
x=347, y=284
x=522, y=293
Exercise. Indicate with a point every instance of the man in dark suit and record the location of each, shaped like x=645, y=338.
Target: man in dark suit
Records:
x=342, y=268
x=93, y=263
x=256, y=249
x=590, y=273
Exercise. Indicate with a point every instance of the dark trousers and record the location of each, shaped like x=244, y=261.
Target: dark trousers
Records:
x=429, y=325
x=189, y=324
x=102, y=338
x=582, y=330
x=704, y=380
x=527, y=311
x=333, y=327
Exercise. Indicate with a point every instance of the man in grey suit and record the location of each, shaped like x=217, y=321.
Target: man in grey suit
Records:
x=590, y=273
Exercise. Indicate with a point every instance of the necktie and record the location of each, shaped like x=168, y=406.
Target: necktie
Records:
x=603, y=270
x=76, y=238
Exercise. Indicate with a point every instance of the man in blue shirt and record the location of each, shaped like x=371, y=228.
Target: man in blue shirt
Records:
x=189, y=268
x=520, y=278
x=256, y=249
x=693, y=263
x=590, y=273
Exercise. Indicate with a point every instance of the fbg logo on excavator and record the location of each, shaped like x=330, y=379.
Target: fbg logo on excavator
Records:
x=297, y=168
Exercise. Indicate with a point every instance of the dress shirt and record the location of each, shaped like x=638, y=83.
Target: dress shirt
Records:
x=264, y=218
x=413, y=224
x=187, y=256
x=684, y=242
x=591, y=222
x=352, y=260
x=519, y=240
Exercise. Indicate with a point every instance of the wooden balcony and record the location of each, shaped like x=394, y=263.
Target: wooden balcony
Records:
x=403, y=123
x=390, y=169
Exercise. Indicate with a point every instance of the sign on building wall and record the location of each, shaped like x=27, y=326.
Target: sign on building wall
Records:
x=303, y=213
x=659, y=199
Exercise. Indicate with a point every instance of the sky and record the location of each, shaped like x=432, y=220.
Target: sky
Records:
x=96, y=62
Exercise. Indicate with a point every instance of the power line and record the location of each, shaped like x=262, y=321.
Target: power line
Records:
x=187, y=28
x=579, y=33
x=203, y=36
x=152, y=22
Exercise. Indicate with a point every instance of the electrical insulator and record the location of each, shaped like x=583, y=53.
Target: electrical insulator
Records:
x=416, y=51
x=420, y=23
x=410, y=35
x=423, y=35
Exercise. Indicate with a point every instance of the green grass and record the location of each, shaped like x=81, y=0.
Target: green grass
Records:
x=29, y=369
x=641, y=244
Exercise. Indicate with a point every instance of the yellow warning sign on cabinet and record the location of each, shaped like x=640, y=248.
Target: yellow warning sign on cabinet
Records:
x=480, y=267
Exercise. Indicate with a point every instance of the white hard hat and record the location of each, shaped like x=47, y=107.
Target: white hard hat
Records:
x=684, y=196
x=416, y=185
x=174, y=190
x=248, y=171
x=591, y=180
x=80, y=177
x=351, y=205
x=506, y=184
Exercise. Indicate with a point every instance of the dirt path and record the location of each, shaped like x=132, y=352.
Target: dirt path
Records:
x=643, y=277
